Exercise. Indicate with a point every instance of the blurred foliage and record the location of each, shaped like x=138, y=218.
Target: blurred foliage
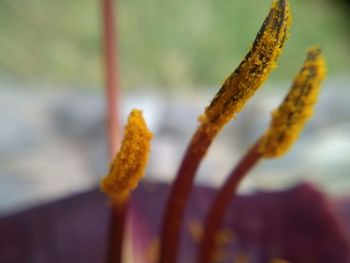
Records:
x=161, y=43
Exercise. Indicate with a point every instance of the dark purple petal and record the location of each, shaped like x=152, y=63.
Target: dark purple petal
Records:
x=299, y=225
x=70, y=230
x=343, y=209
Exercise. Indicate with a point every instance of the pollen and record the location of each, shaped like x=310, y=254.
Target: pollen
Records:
x=241, y=257
x=296, y=109
x=195, y=229
x=253, y=70
x=128, y=166
x=152, y=251
x=278, y=260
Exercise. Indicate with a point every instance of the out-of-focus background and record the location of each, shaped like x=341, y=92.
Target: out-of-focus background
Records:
x=173, y=57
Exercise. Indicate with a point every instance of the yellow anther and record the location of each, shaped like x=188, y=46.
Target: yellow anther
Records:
x=129, y=164
x=253, y=70
x=296, y=109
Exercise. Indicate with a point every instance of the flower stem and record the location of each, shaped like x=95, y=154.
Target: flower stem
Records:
x=229, y=100
x=111, y=77
x=116, y=233
x=286, y=124
x=221, y=203
x=118, y=211
x=180, y=191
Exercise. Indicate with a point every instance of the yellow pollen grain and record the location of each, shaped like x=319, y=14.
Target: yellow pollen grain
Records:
x=253, y=70
x=278, y=260
x=220, y=255
x=153, y=251
x=223, y=237
x=195, y=229
x=296, y=109
x=241, y=257
x=129, y=164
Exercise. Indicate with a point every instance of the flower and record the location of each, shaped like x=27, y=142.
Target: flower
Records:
x=150, y=225
x=287, y=123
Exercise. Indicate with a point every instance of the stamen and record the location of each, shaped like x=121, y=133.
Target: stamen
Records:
x=287, y=123
x=235, y=92
x=126, y=171
x=129, y=164
x=289, y=119
x=253, y=70
x=221, y=203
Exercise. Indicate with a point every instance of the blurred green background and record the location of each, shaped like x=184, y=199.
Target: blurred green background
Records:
x=162, y=44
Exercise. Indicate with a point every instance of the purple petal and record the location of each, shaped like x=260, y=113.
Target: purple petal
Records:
x=70, y=230
x=298, y=225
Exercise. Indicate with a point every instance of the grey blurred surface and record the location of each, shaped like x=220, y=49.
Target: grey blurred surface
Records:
x=52, y=142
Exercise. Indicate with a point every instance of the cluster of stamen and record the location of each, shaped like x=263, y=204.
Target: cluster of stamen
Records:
x=287, y=123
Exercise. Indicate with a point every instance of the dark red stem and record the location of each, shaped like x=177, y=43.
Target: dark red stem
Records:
x=116, y=233
x=110, y=58
x=179, y=194
x=221, y=203
x=118, y=212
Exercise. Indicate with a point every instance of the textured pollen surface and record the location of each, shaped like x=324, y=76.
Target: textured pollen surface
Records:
x=129, y=164
x=253, y=70
x=289, y=119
